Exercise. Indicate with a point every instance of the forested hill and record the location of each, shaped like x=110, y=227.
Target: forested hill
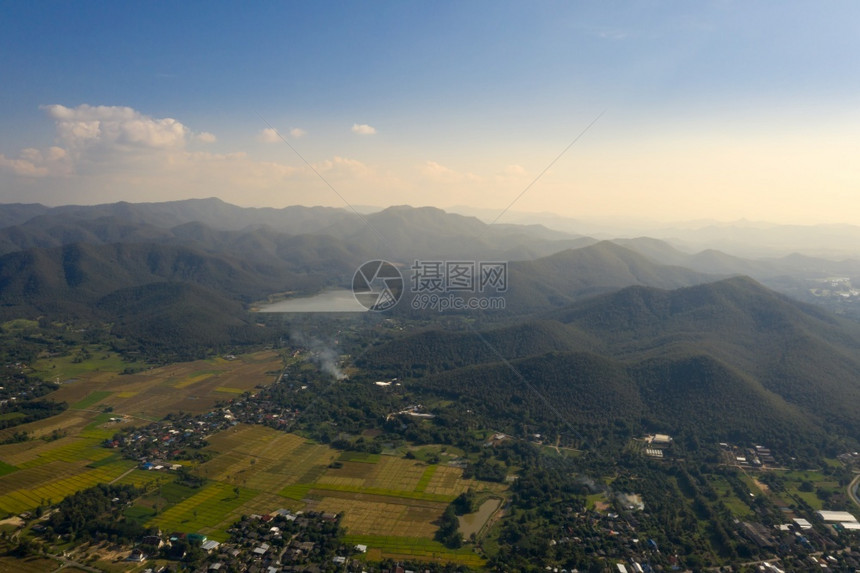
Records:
x=728, y=358
x=574, y=274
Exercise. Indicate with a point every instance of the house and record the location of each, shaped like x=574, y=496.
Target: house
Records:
x=261, y=550
x=136, y=555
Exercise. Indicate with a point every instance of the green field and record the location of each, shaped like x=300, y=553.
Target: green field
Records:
x=6, y=468
x=211, y=511
x=425, y=478
x=24, y=497
x=592, y=499
x=428, y=549
x=65, y=368
x=92, y=399
x=727, y=495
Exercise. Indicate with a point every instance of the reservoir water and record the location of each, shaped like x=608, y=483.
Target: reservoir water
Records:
x=340, y=300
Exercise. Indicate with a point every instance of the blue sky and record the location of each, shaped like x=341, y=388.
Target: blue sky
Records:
x=719, y=110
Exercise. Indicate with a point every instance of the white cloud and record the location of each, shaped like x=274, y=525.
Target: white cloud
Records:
x=363, y=129
x=105, y=153
x=206, y=137
x=114, y=127
x=515, y=170
x=269, y=135
x=344, y=166
x=438, y=172
x=34, y=163
x=433, y=169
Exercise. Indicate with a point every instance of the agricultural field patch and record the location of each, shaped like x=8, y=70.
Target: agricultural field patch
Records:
x=65, y=479
x=28, y=565
x=209, y=511
x=196, y=377
x=262, y=458
x=192, y=387
x=91, y=400
x=395, y=547
x=227, y=390
x=375, y=517
x=362, y=457
x=6, y=468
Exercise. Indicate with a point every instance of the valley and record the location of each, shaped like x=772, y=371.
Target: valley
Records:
x=619, y=411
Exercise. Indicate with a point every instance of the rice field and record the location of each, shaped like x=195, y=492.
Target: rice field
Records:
x=37, y=470
x=56, y=481
x=196, y=377
x=388, y=498
x=91, y=400
x=152, y=394
x=395, y=547
x=7, y=468
x=210, y=511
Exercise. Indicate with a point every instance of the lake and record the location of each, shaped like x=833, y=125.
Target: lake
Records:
x=340, y=300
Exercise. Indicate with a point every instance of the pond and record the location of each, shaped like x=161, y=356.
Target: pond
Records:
x=473, y=522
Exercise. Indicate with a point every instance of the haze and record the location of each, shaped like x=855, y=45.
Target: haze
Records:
x=717, y=110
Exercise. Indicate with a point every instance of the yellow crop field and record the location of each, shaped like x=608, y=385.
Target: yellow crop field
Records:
x=75, y=478
x=195, y=378
x=227, y=390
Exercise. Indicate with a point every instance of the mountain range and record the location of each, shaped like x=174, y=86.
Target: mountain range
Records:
x=632, y=329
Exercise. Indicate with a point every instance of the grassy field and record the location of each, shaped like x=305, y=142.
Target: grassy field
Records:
x=727, y=495
x=62, y=368
x=91, y=400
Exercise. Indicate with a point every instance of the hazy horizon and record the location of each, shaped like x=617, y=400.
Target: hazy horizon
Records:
x=718, y=111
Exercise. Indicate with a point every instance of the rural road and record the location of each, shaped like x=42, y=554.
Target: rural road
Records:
x=69, y=563
x=116, y=479
x=852, y=489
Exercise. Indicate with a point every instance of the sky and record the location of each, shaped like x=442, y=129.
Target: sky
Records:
x=665, y=111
